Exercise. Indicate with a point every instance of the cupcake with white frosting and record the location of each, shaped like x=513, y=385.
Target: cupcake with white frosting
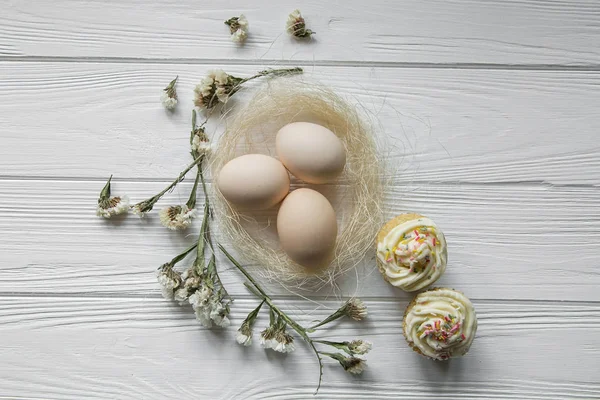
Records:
x=440, y=323
x=411, y=252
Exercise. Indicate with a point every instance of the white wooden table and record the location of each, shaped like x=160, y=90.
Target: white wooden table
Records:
x=491, y=113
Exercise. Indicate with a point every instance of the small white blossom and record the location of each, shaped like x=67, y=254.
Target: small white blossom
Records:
x=169, y=280
x=177, y=217
x=218, y=313
x=244, y=334
x=238, y=27
x=181, y=296
x=355, y=365
x=200, y=143
x=169, y=96
x=113, y=206
x=203, y=316
x=200, y=298
x=168, y=102
x=243, y=339
x=283, y=343
x=356, y=309
x=239, y=36
x=296, y=26
x=360, y=346
x=266, y=337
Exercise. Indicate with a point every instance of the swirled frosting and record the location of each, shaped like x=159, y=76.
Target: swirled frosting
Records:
x=413, y=254
x=440, y=323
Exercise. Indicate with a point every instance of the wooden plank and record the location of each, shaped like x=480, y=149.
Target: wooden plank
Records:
x=68, y=348
x=505, y=242
x=522, y=32
x=91, y=120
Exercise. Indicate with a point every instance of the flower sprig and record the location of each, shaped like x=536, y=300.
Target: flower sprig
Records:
x=218, y=86
x=238, y=27
x=276, y=337
x=169, y=95
x=145, y=206
x=111, y=205
x=296, y=26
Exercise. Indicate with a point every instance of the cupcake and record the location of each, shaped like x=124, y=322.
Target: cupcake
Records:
x=440, y=323
x=411, y=252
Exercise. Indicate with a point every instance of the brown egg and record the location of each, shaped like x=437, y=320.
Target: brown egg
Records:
x=310, y=152
x=307, y=228
x=254, y=181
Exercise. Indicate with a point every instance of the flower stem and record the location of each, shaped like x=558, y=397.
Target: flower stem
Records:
x=338, y=314
x=148, y=204
x=181, y=256
x=275, y=72
x=191, y=203
x=262, y=294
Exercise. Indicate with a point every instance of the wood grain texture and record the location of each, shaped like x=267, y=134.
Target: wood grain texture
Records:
x=433, y=125
x=118, y=348
x=511, y=238
x=521, y=32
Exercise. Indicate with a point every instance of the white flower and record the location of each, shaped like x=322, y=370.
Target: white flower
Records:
x=138, y=211
x=177, y=217
x=200, y=143
x=169, y=96
x=238, y=27
x=169, y=280
x=244, y=334
x=360, y=346
x=168, y=102
x=296, y=26
x=112, y=206
x=203, y=316
x=199, y=299
x=356, y=309
x=266, y=337
x=239, y=36
x=181, y=296
x=218, y=313
x=355, y=365
x=243, y=339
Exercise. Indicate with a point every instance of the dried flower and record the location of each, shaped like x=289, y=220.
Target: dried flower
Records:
x=244, y=335
x=354, y=365
x=169, y=280
x=356, y=309
x=169, y=96
x=200, y=143
x=267, y=336
x=360, y=347
x=109, y=206
x=218, y=86
x=177, y=217
x=283, y=342
x=296, y=26
x=238, y=27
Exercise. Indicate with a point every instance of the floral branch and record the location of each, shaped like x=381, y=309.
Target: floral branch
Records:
x=275, y=336
x=143, y=207
x=169, y=96
x=218, y=86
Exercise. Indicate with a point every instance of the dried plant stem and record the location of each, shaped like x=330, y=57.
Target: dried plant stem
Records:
x=259, y=291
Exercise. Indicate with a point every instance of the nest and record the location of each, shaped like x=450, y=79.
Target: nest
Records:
x=356, y=196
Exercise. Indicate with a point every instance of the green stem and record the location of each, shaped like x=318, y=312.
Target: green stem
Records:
x=181, y=256
x=336, y=315
x=199, y=263
x=261, y=293
x=179, y=178
x=191, y=203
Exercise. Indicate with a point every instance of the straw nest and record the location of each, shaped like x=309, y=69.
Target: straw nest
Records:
x=356, y=196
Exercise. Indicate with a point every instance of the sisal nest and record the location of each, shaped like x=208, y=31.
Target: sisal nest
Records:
x=356, y=196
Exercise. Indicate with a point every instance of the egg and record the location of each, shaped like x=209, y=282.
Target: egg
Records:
x=307, y=228
x=310, y=152
x=254, y=181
